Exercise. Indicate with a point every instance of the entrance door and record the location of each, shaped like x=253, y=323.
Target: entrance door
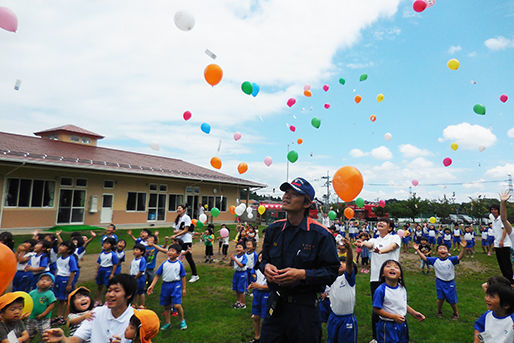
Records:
x=192, y=206
x=71, y=206
x=106, y=214
x=157, y=207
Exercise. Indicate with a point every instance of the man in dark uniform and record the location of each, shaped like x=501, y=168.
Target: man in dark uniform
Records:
x=299, y=257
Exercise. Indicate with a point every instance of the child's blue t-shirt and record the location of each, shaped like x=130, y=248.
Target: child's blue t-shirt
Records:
x=391, y=299
x=444, y=269
x=241, y=259
x=111, y=236
x=107, y=259
x=171, y=271
x=66, y=266
x=40, y=260
x=495, y=329
x=151, y=257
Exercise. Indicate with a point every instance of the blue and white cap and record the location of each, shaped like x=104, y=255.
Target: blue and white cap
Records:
x=299, y=185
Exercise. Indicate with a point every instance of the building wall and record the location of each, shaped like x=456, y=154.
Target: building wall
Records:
x=27, y=217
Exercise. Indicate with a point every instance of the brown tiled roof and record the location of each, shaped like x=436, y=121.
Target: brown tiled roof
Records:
x=71, y=129
x=18, y=148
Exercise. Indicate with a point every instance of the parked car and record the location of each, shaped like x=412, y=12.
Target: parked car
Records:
x=466, y=219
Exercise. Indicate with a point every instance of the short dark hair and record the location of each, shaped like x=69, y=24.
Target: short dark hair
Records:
x=147, y=231
x=506, y=295
x=388, y=221
x=424, y=239
x=129, y=284
x=240, y=243
x=498, y=279
x=111, y=241
x=113, y=226
x=175, y=247
x=496, y=207
x=77, y=237
x=81, y=291
x=18, y=300
x=140, y=247
x=69, y=245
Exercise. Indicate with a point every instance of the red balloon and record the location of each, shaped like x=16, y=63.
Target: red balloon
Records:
x=447, y=161
x=347, y=183
x=419, y=5
x=504, y=98
x=382, y=203
x=187, y=115
x=8, y=267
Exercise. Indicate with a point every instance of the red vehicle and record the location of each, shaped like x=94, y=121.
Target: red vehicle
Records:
x=366, y=212
x=274, y=209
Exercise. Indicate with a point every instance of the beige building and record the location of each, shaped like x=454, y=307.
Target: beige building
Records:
x=62, y=177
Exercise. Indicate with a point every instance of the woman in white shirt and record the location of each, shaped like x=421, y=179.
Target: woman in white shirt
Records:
x=183, y=232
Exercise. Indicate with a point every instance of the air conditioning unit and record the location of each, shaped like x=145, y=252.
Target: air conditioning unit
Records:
x=93, y=204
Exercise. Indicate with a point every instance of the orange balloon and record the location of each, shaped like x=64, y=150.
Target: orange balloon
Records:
x=194, y=221
x=232, y=209
x=299, y=141
x=347, y=183
x=216, y=162
x=358, y=98
x=349, y=213
x=307, y=93
x=213, y=74
x=8, y=267
x=242, y=168
x=373, y=117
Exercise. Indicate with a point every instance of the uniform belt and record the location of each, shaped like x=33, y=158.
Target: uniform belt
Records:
x=305, y=300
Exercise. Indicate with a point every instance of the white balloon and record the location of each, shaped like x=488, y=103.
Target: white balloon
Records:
x=249, y=210
x=388, y=136
x=155, y=146
x=240, y=210
x=430, y=3
x=202, y=217
x=250, y=215
x=243, y=206
x=184, y=20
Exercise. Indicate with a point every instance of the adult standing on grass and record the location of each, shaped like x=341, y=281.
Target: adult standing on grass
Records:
x=385, y=247
x=299, y=257
x=183, y=231
x=507, y=226
x=502, y=242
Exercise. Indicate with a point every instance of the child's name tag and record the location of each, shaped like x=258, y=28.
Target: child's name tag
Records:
x=11, y=337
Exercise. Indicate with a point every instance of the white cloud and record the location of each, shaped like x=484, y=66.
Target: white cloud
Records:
x=357, y=153
x=360, y=65
x=469, y=136
x=501, y=171
x=409, y=150
x=472, y=54
x=454, y=48
x=382, y=153
x=499, y=43
x=387, y=34
x=510, y=133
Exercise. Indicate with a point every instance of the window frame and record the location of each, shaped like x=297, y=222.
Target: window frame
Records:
x=45, y=181
x=137, y=202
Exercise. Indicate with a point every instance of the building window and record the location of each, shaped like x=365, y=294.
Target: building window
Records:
x=153, y=187
x=81, y=182
x=221, y=203
x=109, y=184
x=52, y=137
x=209, y=201
x=33, y=193
x=136, y=201
x=66, y=181
x=86, y=140
x=174, y=201
x=75, y=139
x=71, y=206
x=163, y=188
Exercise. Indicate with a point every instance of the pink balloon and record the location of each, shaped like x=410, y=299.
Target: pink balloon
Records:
x=292, y=128
x=268, y=161
x=447, y=161
x=415, y=182
x=8, y=20
x=291, y=102
x=237, y=136
x=307, y=87
x=325, y=88
x=187, y=115
x=419, y=5
x=430, y=3
x=400, y=233
x=381, y=203
x=327, y=106
x=504, y=98
x=224, y=233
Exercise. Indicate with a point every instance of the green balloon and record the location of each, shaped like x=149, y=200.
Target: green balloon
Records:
x=199, y=224
x=215, y=212
x=247, y=87
x=364, y=77
x=479, y=109
x=359, y=202
x=316, y=122
x=332, y=215
x=292, y=156
x=342, y=81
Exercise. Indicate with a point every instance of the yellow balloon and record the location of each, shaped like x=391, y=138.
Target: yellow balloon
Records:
x=28, y=303
x=261, y=209
x=380, y=97
x=453, y=64
x=454, y=146
x=432, y=220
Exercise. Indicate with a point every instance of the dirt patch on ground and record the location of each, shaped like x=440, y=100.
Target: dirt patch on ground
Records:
x=411, y=262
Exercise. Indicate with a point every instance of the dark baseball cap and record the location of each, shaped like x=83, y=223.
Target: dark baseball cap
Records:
x=299, y=185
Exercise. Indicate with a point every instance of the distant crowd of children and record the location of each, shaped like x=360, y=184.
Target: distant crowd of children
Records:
x=48, y=269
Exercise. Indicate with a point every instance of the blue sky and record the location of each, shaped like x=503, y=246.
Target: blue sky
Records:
x=123, y=69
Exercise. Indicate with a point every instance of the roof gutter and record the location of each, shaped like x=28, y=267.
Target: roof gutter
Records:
x=4, y=189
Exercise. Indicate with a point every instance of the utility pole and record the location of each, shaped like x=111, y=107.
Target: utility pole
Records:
x=328, y=187
x=510, y=182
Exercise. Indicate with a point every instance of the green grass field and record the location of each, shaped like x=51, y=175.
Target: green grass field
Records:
x=211, y=318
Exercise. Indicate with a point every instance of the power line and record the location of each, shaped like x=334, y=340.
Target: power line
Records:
x=437, y=184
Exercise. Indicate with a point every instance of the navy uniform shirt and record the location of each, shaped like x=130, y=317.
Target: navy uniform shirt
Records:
x=308, y=246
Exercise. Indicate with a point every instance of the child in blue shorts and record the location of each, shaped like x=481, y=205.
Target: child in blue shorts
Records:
x=66, y=267
x=39, y=262
x=240, y=279
x=137, y=270
x=23, y=278
x=390, y=304
x=173, y=286
x=121, y=244
x=444, y=266
x=106, y=265
x=469, y=237
x=260, y=300
x=447, y=238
